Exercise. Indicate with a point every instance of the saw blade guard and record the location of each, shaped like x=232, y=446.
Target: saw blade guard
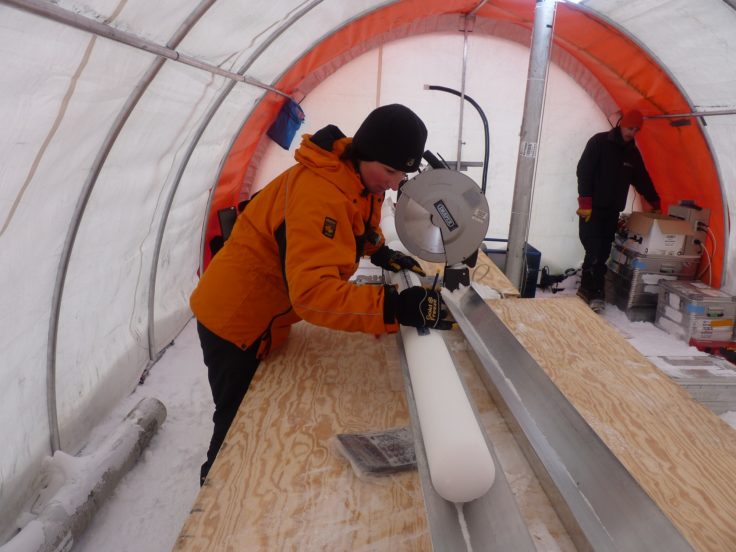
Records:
x=442, y=216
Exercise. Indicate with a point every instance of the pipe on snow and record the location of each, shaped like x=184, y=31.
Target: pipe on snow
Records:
x=86, y=481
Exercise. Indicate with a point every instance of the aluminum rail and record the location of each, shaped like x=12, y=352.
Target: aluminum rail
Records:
x=492, y=523
x=600, y=503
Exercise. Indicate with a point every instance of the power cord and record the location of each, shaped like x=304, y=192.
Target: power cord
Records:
x=550, y=282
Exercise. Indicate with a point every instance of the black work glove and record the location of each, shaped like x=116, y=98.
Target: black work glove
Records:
x=416, y=306
x=394, y=261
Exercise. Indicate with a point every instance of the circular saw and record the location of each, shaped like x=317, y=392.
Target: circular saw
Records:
x=442, y=216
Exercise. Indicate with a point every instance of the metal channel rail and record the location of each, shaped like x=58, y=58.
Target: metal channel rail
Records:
x=491, y=523
x=600, y=503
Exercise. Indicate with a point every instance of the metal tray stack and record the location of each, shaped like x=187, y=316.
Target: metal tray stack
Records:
x=694, y=310
x=632, y=280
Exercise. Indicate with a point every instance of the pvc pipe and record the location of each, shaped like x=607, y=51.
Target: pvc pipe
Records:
x=88, y=481
x=461, y=467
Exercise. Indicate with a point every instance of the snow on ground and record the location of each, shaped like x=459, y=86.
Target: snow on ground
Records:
x=150, y=505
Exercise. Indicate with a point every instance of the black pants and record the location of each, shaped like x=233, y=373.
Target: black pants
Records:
x=596, y=235
x=230, y=370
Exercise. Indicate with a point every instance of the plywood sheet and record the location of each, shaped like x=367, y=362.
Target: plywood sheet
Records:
x=277, y=485
x=681, y=454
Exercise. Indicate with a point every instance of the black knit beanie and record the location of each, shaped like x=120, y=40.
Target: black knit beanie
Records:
x=393, y=135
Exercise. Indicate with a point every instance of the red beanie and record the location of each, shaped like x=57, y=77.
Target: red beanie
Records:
x=632, y=119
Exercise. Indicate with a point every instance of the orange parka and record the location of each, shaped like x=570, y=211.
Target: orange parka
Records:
x=292, y=252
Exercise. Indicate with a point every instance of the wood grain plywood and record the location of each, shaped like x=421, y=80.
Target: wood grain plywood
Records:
x=681, y=454
x=277, y=485
x=485, y=272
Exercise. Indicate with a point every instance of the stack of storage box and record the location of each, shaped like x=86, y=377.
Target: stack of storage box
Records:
x=695, y=311
x=651, y=252
x=633, y=278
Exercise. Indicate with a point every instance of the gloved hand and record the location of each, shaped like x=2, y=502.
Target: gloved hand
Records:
x=585, y=207
x=395, y=261
x=584, y=214
x=416, y=306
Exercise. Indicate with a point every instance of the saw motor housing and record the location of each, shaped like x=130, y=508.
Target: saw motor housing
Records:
x=442, y=216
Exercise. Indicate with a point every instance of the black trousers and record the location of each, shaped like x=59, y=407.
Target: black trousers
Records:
x=596, y=235
x=230, y=370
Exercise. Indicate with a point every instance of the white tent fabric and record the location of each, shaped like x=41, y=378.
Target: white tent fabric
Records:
x=109, y=153
x=696, y=43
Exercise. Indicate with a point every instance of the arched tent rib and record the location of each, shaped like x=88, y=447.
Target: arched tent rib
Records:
x=82, y=201
x=92, y=119
x=678, y=157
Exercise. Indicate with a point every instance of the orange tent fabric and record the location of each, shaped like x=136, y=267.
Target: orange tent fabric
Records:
x=678, y=157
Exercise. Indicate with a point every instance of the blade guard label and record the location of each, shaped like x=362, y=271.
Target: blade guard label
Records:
x=447, y=218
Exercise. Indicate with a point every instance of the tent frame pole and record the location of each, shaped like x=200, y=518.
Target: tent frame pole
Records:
x=153, y=351
x=61, y=15
x=531, y=124
x=76, y=220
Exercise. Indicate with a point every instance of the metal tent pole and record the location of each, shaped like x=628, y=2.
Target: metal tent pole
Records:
x=529, y=144
x=61, y=15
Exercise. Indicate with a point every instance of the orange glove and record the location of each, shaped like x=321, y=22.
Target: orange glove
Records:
x=584, y=214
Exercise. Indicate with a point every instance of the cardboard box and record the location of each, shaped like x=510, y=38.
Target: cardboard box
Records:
x=655, y=234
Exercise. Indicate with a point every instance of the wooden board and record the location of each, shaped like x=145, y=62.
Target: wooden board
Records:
x=681, y=454
x=485, y=272
x=277, y=485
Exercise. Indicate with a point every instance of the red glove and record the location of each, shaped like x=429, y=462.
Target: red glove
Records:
x=585, y=207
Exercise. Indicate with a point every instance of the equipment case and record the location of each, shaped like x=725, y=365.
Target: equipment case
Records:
x=633, y=278
x=694, y=310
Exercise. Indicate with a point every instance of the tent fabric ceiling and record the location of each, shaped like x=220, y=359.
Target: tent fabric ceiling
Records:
x=630, y=75
x=109, y=155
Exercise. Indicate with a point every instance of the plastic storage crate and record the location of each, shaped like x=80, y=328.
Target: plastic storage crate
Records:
x=694, y=310
x=632, y=280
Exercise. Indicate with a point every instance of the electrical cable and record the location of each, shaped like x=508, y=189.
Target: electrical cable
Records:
x=713, y=238
x=475, y=270
x=709, y=255
x=707, y=266
x=486, y=150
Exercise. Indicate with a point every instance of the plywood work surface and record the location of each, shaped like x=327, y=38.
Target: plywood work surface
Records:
x=485, y=272
x=277, y=485
x=681, y=454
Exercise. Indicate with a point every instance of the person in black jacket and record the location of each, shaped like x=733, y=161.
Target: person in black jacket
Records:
x=609, y=164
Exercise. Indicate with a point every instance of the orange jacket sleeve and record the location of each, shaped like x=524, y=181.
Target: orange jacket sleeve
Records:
x=321, y=225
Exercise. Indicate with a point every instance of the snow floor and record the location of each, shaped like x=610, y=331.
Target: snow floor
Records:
x=150, y=505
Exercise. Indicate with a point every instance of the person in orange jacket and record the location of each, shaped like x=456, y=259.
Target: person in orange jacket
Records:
x=296, y=245
x=610, y=163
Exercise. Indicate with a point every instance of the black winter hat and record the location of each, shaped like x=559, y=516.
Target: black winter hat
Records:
x=393, y=135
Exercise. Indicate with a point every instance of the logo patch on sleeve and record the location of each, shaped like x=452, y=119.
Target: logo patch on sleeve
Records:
x=329, y=227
